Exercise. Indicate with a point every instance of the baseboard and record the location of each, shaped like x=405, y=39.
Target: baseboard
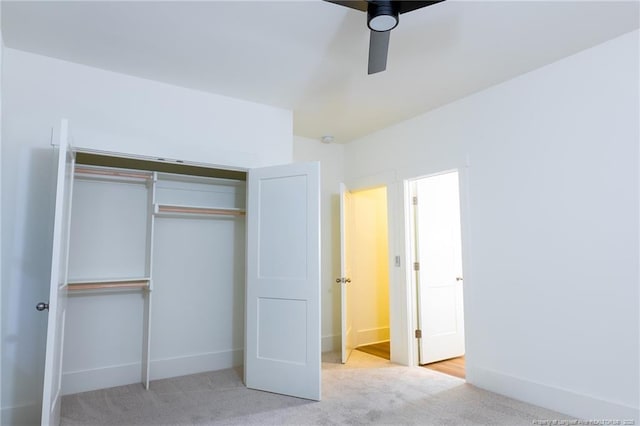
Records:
x=371, y=336
x=100, y=378
x=331, y=343
x=119, y=375
x=182, y=366
x=564, y=401
x=23, y=415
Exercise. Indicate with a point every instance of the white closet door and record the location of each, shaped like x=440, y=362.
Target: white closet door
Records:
x=346, y=227
x=282, y=350
x=58, y=286
x=440, y=309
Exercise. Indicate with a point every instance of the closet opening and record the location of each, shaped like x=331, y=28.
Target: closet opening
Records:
x=152, y=276
x=156, y=271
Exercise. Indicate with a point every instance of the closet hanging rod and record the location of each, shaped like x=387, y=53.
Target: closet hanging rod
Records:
x=112, y=173
x=108, y=284
x=199, y=210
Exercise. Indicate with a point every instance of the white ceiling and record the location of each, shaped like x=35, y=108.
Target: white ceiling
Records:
x=311, y=56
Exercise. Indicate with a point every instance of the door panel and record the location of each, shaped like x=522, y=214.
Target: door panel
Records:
x=283, y=219
x=346, y=225
x=278, y=338
x=282, y=350
x=58, y=284
x=440, y=305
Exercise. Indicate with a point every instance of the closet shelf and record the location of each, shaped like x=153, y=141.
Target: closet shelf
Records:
x=175, y=209
x=124, y=283
x=93, y=172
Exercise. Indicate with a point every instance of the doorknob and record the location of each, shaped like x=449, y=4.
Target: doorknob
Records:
x=343, y=280
x=459, y=279
x=42, y=306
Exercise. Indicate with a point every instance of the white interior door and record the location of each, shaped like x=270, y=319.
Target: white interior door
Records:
x=346, y=216
x=440, y=304
x=282, y=349
x=58, y=285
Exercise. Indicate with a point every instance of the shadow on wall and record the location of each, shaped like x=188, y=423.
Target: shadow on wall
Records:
x=25, y=282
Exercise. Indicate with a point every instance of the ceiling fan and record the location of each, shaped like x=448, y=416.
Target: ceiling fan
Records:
x=382, y=17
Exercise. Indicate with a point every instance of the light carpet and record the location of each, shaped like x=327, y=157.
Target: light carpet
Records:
x=367, y=390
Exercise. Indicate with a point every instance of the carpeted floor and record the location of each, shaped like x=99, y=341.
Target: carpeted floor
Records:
x=368, y=390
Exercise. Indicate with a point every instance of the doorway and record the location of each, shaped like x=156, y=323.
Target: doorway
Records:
x=365, y=277
x=437, y=280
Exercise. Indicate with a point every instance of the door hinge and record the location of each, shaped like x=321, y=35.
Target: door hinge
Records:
x=416, y=266
x=415, y=201
x=418, y=334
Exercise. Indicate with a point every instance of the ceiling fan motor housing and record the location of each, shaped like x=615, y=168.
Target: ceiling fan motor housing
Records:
x=382, y=15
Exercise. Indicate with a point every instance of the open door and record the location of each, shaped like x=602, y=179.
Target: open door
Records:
x=58, y=286
x=282, y=348
x=439, y=268
x=345, y=273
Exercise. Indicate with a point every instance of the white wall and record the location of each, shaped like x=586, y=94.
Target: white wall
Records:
x=119, y=113
x=107, y=111
x=331, y=174
x=550, y=224
x=1, y=311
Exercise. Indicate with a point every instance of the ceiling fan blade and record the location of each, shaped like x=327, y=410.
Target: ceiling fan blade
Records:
x=352, y=4
x=378, y=49
x=408, y=6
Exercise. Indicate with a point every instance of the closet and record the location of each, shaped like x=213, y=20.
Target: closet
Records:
x=161, y=268
x=155, y=272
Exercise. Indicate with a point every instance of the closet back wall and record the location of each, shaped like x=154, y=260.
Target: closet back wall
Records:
x=111, y=112
x=194, y=262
